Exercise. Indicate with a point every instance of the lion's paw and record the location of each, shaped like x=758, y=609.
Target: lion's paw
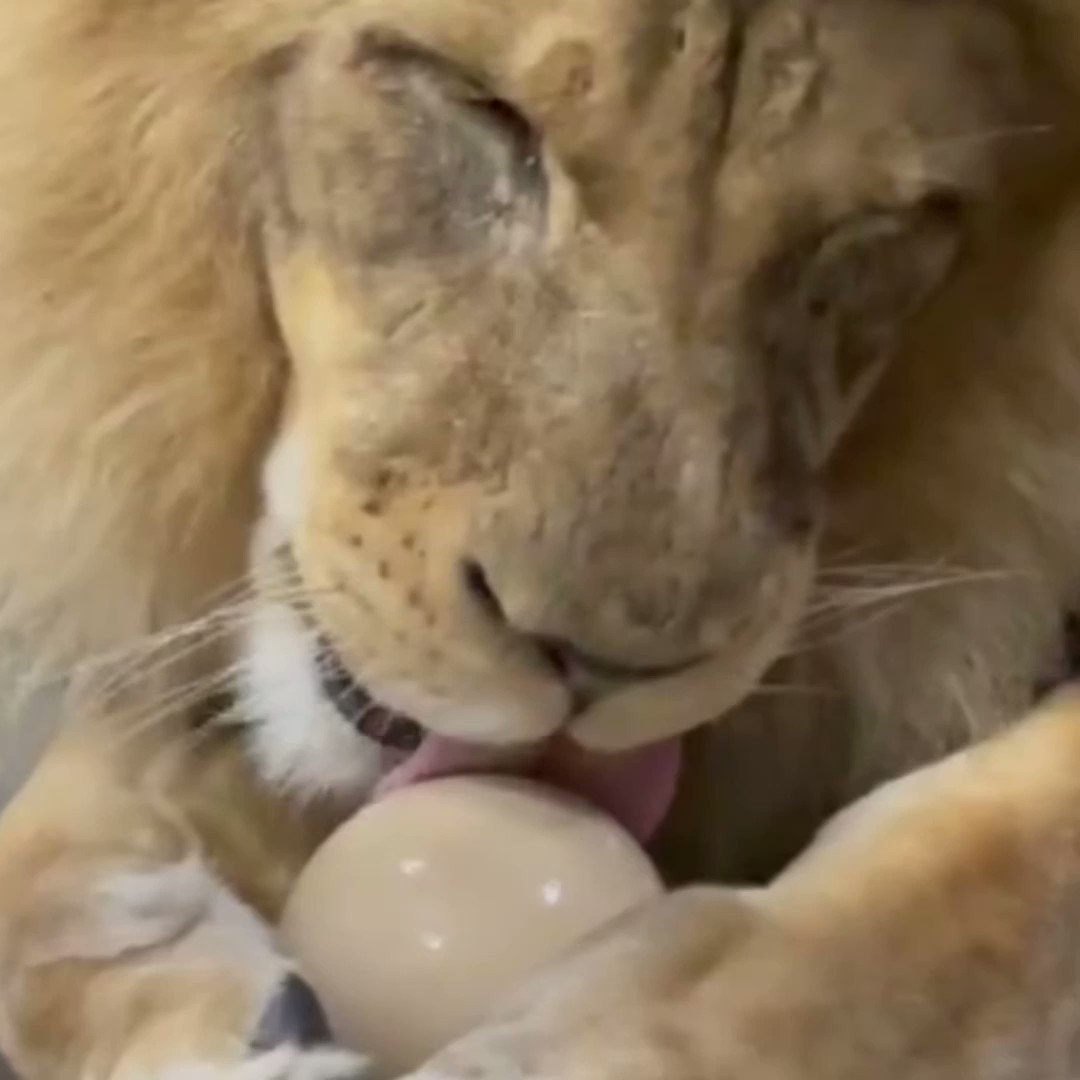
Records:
x=291, y=1041
x=282, y=1063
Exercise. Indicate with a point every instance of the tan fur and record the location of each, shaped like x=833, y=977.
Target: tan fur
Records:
x=930, y=933
x=216, y=223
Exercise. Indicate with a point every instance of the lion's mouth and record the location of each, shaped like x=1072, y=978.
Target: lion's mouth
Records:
x=636, y=787
x=391, y=730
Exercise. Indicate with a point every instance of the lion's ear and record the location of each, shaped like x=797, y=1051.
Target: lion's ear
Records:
x=839, y=307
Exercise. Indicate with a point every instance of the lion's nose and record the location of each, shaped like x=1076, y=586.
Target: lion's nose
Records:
x=588, y=671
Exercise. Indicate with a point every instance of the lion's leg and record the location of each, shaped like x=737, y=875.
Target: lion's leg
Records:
x=933, y=932
x=132, y=943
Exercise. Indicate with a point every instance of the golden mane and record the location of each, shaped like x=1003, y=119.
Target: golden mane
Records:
x=140, y=371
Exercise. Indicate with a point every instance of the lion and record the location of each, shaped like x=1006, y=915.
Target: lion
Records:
x=572, y=387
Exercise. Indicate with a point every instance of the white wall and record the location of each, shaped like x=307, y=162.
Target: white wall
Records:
x=27, y=720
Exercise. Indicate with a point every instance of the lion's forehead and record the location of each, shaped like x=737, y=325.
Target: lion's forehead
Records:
x=715, y=137
x=785, y=103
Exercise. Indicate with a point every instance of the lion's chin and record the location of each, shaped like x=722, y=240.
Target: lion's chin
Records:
x=315, y=731
x=635, y=786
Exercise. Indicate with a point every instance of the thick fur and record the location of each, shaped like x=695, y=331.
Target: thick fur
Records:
x=929, y=933
x=632, y=375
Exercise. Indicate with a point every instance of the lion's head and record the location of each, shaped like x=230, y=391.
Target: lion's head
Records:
x=541, y=322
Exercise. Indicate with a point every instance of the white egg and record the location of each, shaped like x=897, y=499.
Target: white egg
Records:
x=425, y=910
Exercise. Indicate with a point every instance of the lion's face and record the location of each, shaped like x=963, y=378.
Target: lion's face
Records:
x=579, y=296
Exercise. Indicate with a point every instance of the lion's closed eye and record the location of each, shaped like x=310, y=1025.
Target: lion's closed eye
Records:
x=413, y=157
x=831, y=306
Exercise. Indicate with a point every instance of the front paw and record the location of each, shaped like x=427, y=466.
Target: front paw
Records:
x=622, y=1009
x=542, y=1047
x=282, y=1063
x=290, y=1040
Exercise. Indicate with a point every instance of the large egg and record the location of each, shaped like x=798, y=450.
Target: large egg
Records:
x=425, y=910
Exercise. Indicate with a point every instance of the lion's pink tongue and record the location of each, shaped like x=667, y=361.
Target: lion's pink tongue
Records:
x=636, y=787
